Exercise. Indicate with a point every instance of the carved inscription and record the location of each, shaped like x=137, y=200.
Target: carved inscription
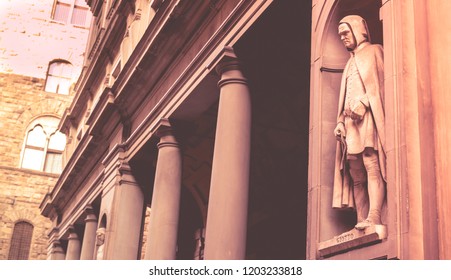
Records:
x=352, y=239
x=345, y=237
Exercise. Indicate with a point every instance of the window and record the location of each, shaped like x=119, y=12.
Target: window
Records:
x=75, y=12
x=62, y=10
x=21, y=241
x=44, y=146
x=59, y=77
x=80, y=14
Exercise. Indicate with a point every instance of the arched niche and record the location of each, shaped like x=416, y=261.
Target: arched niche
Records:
x=329, y=58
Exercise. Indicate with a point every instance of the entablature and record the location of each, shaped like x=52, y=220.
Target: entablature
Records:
x=76, y=169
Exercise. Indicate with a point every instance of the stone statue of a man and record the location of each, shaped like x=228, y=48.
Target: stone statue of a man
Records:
x=360, y=162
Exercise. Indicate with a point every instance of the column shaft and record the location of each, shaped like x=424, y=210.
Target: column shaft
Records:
x=227, y=206
x=73, y=247
x=164, y=213
x=89, y=238
x=123, y=234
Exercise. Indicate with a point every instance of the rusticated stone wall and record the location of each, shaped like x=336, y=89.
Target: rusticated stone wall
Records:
x=29, y=41
x=21, y=191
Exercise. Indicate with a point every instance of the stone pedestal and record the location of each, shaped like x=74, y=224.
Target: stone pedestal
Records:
x=352, y=239
x=164, y=213
x=227, y=207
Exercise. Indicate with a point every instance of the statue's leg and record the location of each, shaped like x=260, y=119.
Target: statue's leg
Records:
x=358, y=175
x=376, y=188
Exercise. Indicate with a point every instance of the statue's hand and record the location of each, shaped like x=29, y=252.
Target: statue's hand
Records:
x=358, y=110
x=340, y=131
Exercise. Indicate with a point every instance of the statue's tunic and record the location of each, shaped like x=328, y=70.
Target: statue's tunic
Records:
x=360, y=134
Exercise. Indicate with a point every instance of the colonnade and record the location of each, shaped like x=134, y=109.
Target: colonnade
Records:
x=228, y=203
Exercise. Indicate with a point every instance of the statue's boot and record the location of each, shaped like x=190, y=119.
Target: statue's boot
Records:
x=376, y=190
x=361, y=202
x=374, y=218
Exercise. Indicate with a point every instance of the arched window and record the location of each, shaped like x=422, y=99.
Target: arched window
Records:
x=44, y=146
x=59, y=77
x=20, y=241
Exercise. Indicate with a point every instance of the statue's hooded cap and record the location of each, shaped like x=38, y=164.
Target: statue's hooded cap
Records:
x=358, y=27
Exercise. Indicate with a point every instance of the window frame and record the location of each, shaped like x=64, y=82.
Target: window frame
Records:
x=58, y=77
x=25, y=240
x=49, y=124
x=73, y=5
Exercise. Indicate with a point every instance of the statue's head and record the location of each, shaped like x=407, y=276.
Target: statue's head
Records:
x=100, y=236
x=353, y=31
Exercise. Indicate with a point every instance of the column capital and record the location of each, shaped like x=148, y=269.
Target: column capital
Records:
x=165, y=132
x=57, y=252
x=227, y=53
x=54, y=232
x=227, y=59
x=72, y=233
x=56, y=247
x=229, y=68
x=56, y=243
x=90, y=216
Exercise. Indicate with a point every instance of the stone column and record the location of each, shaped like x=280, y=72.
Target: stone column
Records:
x=164, y=213
x=89, y=237
x=227, y=207
x=73, y=246
x=57, y=251
x=123, y=234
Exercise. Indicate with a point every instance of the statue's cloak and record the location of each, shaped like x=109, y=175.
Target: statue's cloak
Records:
x=369, y=61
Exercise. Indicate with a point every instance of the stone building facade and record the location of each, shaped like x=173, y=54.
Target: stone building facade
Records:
x=30, y=40
x=217, y=119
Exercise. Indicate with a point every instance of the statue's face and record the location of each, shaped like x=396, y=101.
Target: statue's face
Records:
x=346, y=36
x=100, y=238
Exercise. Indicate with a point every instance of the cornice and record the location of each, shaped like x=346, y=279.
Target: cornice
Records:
x=101, y=112
x=46, y=205
x=109, y=36
x=148, y=44
x=67, y=121
x=95, y=6
x=83, y=207
x=204, y=62
x=117, y=152
x=76, y=162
